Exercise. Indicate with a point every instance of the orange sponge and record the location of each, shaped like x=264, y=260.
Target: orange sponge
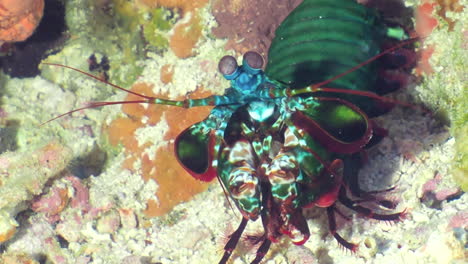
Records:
x=175, y=184
x=19, y=19
x=425, y=22
x=185, y=37
x=167, y=72
x=424, y=66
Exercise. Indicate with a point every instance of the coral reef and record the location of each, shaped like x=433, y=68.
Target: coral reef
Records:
x=185, y=37
x=155, y=30
x=167, y=73
x=95, y=210
x=53, y=203
x=24, y=175
x=184, y=6
x=19, y=19
x=144, y=131
x=425, y=22
x=444, y=66
x=176, y=185
x=434, y=191
x=75, y=220
x=188, y=30
x=154, y=22
x=445, y=7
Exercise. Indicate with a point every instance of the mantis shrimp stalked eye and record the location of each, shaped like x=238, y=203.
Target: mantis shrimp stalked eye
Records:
x=253, y=60
x=228, y=67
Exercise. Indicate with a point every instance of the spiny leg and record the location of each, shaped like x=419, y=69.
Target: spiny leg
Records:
x=352, y=165
x=332, y=228
x=371, y=197
x=233, y=240
x=366, y=211
x=262, y=250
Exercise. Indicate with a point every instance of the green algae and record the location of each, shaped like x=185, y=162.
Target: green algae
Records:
x=444, y=90
x=119, y=30
x=156, y=28
x=460, y=162
x=95, y=28
x=154, y=23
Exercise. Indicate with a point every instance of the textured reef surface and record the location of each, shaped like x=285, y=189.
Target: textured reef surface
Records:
x=103, y=185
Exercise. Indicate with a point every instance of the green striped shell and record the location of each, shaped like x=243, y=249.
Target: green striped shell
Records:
x=321, y=39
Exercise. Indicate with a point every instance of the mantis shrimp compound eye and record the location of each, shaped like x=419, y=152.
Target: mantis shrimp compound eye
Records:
x=228, y=67
x=253, y=60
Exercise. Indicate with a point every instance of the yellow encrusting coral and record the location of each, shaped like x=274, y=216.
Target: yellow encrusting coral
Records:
x=186, y=34
x=7, y=226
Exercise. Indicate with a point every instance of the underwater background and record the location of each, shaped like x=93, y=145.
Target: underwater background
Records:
x=103, y=185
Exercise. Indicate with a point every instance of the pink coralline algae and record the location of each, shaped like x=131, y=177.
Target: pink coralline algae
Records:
x=52, y=203
x=81, y=197
x=460, y=220
x=67, y=206
x=250, y=26
x=69, y=191
x=435, y=191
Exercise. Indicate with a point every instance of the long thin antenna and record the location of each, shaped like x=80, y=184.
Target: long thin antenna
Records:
x=404, y=43
x=99, y=79
x=93, y=105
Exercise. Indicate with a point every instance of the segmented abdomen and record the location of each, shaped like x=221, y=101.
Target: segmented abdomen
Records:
x=323, y=38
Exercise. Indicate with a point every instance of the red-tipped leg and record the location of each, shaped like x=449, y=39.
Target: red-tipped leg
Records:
x=354, y=205
x=233, y=240
x=262, y=250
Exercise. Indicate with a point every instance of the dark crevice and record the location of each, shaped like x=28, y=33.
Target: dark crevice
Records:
x=90, y=164
x=24, y=57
